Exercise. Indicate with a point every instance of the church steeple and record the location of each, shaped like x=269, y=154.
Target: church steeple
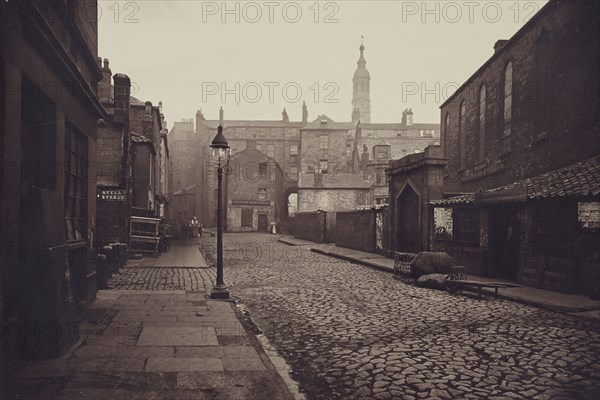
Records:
x=361, y=93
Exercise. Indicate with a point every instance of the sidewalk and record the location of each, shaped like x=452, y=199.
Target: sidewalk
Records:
x=578, y=304
x=159, y=344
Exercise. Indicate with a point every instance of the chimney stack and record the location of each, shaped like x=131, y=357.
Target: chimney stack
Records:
x=304, y=112
x=122, y=92
x=199, y=119
x=499, y=45
x=105, y=85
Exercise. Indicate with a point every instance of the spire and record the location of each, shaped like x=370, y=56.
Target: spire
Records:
x=361, y=60
x=361, y=82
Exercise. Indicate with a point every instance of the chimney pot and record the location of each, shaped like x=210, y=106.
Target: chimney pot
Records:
x=106, y=63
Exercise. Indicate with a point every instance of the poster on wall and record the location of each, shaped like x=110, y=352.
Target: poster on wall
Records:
x=588, y=214
x=442, y=218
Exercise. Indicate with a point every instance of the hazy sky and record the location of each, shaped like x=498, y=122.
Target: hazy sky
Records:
x=255, y=58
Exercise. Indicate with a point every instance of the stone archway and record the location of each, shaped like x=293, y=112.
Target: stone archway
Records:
x=290, y=202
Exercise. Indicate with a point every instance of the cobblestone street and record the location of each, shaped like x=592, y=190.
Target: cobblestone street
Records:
x=350, y=332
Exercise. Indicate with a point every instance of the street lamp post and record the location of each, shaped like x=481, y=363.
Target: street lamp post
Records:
x=220, y=149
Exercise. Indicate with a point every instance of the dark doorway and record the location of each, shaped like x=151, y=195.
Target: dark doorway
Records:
x=503, y=247
x=407, y=232
x=263, y=222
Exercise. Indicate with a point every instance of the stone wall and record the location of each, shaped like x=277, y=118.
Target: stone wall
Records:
x=310, y=226
x=356, y=230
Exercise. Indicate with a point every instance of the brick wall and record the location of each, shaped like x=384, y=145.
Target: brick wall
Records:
x=356, y=230
x=310, y=226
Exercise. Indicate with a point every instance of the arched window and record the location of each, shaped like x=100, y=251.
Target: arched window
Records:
x=462, y=134
x=482, y=106
x=446, y=133
x=508, y=91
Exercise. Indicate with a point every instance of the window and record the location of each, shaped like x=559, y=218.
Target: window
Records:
x=324, y=142
x=323, y=166
x=379, y=176
x=263, y=169
x=360, y=197
x=508, y=90
x=271, y=150
x=247, y=217
x=259, y=147
x=76, y=163
x=38, y=138
x=262, y=194
x=465, y=226
x=462, y=135
x=481, y=137
x=446, y=132
x=348, y=149
x=382, y=152
x=294, y=173
x=294, y=150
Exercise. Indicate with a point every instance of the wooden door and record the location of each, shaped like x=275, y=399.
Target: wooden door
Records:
x=263, y=223
x=407, y=233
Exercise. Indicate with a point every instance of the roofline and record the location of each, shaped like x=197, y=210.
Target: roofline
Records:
x=497, y=54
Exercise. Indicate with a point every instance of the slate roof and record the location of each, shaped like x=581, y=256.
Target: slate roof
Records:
x=581, y=179
x=341, y=180
x=398, y=126
x=213, y=124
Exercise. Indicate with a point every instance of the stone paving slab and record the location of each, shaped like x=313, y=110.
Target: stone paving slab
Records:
x=123, y=380
x=183, y=364
x=120, y=394
x=117, y=352
x=216, y=352
x=242, y=364
x=177, y=336
x=183, y=253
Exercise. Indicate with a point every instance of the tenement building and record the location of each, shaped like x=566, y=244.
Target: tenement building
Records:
x=521, y=189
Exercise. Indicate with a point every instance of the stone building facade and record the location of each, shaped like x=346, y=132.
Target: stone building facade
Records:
x=114, y=161
x=48, y=143
x=521, y=137
x=133, y=160
x=253, y=191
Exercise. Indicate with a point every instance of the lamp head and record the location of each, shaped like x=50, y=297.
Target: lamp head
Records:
x=219, y=144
